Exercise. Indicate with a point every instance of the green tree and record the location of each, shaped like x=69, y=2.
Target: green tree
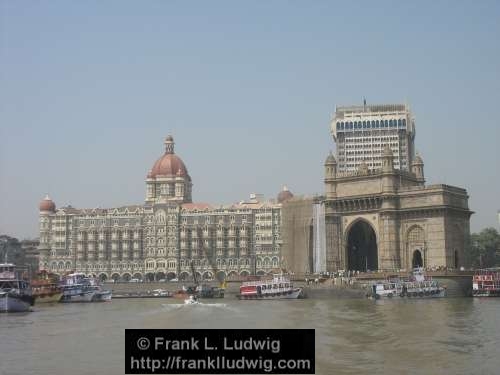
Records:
x=485, y=248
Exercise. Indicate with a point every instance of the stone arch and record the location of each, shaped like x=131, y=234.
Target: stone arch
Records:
x=184, y=275
x=126, y=277
x=417, y=259
x=207, y=275
x=261, y=273
x=160, y=276
x=115, y=277
x=275, y=262
x=221, y=275
x=150, y=276
x=171, y=275
x=244, y=273
x=103, y=277
x=138, y=275
x=68, y=265
x=361, y=246
x=415, y=241
x=232, y=275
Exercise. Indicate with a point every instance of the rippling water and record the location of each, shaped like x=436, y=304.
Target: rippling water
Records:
x=353, y=336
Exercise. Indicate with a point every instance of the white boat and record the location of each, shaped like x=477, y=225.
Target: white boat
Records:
x=79, y=288
x=15, y=293
x=161, y=293
x=416, y=286
x=277, y=287
x=102, y=296
x=191, y=300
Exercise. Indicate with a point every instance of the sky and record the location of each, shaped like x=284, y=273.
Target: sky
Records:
x=90, y=89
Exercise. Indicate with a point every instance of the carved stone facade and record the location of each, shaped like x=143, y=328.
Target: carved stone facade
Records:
x=389, y=219
x=160, y=239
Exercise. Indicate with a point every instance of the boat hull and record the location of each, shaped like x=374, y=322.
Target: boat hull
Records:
x=434, y=293
x=291, y=294
x=11, y=303
x=80, y=297
x=486, y=293
x=102, y=296
x=48, y=297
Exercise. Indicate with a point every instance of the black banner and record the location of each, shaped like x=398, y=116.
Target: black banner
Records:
x=219, y=351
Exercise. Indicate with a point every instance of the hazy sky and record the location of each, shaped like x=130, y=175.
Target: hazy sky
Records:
x=90, y=89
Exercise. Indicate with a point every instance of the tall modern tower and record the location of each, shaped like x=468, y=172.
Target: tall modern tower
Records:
x=361, y=133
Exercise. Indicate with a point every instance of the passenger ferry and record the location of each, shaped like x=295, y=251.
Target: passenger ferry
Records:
x=79, y=288
x=416, y=286
x=277, y=287
x=15, y=293
x=45, y=287
x=486, y=283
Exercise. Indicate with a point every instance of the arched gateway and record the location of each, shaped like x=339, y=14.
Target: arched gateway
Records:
x=362, y=252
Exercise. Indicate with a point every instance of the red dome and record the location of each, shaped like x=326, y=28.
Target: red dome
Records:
x=169, y=165
x=284, y=195
x=47, y=204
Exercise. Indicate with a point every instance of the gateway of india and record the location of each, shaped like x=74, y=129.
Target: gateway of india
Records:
x=376, y=214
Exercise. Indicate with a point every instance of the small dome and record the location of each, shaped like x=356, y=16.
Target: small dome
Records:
x=47, y=204
x=330, y=159
x=284, y=195
x=169, y=164
x=418, y=160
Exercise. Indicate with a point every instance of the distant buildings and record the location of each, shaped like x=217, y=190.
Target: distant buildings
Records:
x=362, y=132
x=160, y=238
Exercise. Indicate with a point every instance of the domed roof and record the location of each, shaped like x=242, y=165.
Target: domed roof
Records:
x=418, y=160
x=330, y=159
x=169, y=164
x=284, y=195
x=47, y=204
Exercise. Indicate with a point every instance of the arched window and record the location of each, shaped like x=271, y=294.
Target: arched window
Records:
x=416, y=234
x=399, y=123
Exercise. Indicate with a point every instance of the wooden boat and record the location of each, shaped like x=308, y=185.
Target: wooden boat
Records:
x=45, y=287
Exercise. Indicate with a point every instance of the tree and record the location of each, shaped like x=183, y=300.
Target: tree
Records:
x=485, y=248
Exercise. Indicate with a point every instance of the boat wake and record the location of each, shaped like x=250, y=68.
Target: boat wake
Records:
x=176, y=306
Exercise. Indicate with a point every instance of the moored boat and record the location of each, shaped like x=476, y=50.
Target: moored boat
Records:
x=45, y=287
x=418, y=285
x=15, y=293
x=102, y=296
x=79, y=288
x=486, y=283
x=277, y=287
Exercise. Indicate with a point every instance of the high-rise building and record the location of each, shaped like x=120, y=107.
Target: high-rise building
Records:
x=361, y=133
